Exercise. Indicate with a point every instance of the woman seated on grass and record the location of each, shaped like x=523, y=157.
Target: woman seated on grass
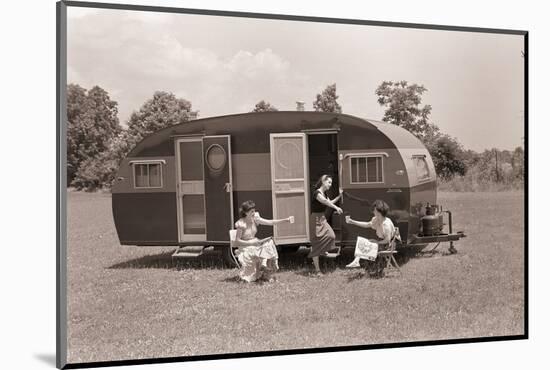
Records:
x=384, y=230
x=258, y=257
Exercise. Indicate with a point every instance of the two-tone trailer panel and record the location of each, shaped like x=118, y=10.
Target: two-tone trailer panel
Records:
x=183, y=185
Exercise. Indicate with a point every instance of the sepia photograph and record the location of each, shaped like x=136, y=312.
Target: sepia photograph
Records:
x=254, y=184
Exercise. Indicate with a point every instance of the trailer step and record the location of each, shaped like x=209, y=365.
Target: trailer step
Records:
x=188, y=252
x=333, y=253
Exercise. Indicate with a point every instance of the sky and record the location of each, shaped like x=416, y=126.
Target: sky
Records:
x=225, y=65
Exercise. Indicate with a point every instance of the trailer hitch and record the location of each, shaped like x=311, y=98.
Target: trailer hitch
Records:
x=452, y=249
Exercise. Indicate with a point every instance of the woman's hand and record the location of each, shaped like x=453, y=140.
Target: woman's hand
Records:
x=338, y=210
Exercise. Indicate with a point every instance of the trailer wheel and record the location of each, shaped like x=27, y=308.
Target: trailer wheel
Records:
x=229, y=258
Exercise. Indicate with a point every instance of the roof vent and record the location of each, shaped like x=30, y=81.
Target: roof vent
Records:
x=300, y=106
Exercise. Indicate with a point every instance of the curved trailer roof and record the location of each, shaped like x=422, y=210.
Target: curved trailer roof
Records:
x=278, y=121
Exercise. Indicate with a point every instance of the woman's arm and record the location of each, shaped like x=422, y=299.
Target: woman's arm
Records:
x=333, y=201
x=327, y=202
x=362, y=224
x=263, y=221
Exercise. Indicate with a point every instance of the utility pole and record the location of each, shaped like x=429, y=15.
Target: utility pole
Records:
x=496, y=165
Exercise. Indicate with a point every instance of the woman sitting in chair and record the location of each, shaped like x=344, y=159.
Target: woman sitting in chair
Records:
x=258, y=257
x=384, y=230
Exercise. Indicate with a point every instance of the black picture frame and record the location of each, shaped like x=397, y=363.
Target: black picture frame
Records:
x=61, y=214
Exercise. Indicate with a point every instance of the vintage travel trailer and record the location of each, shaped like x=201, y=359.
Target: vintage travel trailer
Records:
x=182, y=186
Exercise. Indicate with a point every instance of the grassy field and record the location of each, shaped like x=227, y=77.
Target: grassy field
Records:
x=130, y=302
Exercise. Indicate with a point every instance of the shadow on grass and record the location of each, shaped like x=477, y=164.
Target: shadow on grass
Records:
x=237, y=280
x=234, y=279
x=165, y=260
x=356, y=275
x=296, y=262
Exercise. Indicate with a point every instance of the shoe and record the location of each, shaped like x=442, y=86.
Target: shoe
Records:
x=353, y=265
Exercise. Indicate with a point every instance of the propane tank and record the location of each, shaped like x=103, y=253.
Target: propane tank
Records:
x=432, y=221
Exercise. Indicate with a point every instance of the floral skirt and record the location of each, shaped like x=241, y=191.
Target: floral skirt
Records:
x=251, y=257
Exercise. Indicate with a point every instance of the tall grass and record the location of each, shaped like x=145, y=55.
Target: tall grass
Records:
x=473, y=182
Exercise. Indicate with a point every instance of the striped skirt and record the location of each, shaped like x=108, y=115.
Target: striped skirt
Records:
x=321, y=235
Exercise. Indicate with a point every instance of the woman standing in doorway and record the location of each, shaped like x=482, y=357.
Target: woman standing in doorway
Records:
x=321, y=234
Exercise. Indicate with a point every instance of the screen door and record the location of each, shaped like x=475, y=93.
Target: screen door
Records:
x=289, y=179
x=190, y=190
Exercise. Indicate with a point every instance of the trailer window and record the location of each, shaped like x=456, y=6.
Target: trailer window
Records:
x=191, y=165
x=147, y=175
x=366, y=170
x=422, y=170
x=194, y=220
x=215, y=157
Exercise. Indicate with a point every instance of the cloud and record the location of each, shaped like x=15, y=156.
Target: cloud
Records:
x=131, y=57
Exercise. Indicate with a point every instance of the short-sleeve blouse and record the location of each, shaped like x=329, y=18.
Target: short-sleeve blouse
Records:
x=248, y=232
x=316, y=206
x=384, y=229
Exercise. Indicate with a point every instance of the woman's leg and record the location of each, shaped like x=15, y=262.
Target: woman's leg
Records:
x=270, y=270
x=316, y=263
x=354, y=263
x=250, y=266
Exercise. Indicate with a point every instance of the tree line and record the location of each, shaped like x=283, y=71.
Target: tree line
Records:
x=96, y=142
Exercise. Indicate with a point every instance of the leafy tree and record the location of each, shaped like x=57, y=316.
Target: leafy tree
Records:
x=326, y=101
x=77, y=104
x=448, y=156
x=403, y=108
x=471, y=158
x=518, y=163
x=162, y=110
x=91, y=122
x=263, y=106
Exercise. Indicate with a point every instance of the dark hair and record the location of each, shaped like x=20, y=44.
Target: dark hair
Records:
x=320, y=181
x=245, y=207
x=381, y=207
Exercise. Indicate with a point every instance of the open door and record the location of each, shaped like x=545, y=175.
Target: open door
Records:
x=289, y=184
x=218, y=186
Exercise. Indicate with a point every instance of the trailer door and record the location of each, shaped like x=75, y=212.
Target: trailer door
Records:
x=290, y=193
x=190, y=189
x=218, y=186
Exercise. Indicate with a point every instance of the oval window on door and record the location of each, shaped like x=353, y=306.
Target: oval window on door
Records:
x=216, y=157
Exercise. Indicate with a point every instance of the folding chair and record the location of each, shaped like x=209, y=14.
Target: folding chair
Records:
x=388, y=255
x=232, y=239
